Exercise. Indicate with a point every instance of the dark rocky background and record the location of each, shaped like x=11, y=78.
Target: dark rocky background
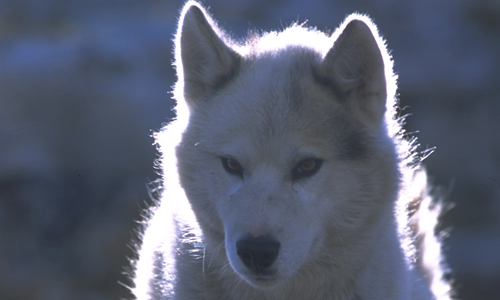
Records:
x=83, y=83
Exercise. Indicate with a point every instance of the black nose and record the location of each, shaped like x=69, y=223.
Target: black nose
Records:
x=257, y=253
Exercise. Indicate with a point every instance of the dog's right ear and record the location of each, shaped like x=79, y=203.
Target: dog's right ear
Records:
x=204, y=61
x=356, y=67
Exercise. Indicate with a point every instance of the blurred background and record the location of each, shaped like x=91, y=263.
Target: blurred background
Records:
x=83, y=83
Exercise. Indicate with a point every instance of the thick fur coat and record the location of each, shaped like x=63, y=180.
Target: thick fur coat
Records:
x=286, y=174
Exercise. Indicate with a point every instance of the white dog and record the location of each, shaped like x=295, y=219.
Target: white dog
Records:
x=286, y=175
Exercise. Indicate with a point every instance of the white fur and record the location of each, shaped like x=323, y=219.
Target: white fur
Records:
x=344, y=232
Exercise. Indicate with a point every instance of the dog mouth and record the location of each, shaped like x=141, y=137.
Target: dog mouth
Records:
x=261, y=281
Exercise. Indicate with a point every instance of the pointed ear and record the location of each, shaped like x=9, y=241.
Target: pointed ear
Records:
x=204, y=61
x=355, y=68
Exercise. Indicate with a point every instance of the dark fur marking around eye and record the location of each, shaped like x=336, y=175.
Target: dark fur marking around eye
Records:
x=354, y=146
x=353, y=141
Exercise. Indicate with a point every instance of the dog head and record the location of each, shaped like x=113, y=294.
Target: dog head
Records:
x=286, y=154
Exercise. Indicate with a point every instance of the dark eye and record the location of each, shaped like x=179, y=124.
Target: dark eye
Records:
x=232, y=166
x=306, y=168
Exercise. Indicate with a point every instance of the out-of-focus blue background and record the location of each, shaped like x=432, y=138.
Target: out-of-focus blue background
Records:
x=83, y=83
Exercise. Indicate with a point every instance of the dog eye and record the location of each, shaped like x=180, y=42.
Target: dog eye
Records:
x=232, y=166
x=306, y=168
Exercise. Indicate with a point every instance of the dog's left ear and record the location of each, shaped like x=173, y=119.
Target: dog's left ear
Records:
x=355, y=67
x=204, y=61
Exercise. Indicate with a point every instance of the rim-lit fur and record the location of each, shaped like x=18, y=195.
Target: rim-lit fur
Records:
x=268, y=104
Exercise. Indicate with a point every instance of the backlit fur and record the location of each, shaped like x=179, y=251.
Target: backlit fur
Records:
x=269, y=103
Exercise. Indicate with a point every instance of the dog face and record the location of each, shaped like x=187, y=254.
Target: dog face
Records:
x=285, y=156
